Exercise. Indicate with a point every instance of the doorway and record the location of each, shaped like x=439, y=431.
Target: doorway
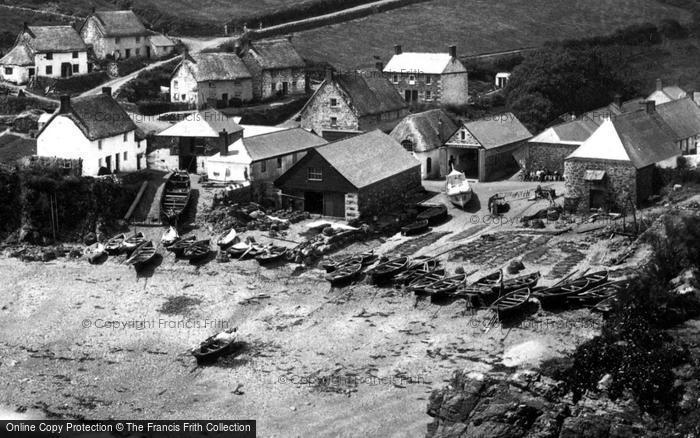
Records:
x=334, y=204
x=313, y=202
x=116, y=162
x=597, y=198
x=108, y=163
x=411, y=95
x=224, y=99
x=469, y=163
x=66, y=70
x=285, y=88
x=148, y=52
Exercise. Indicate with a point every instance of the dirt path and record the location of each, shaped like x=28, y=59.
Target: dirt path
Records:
x=117, y=83
x=37, y=11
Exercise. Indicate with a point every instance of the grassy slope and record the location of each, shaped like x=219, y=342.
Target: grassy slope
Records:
x=476, y=26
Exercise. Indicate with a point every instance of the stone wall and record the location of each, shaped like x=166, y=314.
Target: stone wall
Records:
x=390, y=193
x=620, y=182
x=550, y=156
x=317, y=114
x=402, y=82
x=295, y=79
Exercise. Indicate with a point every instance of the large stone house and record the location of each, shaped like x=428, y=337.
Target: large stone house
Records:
x=211, y=79
x=116, y=35
x=48, y=51
x=362, y=176
x=483, y=149
x=276, y=67
x=424, y=134
x=352, y=103
x=439, y=78
x=94, y=129
x=615, y=166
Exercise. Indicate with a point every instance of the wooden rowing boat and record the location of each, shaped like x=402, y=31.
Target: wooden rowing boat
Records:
x=387, y=270
x=433, y=214
x=556, y=296
x=596, y=278
x=511, y=303
x=142, y=254
x=178, y=247
x=131, y=242
x=176, y=195
x=366, y=258
x=597, y=294
x=271, y=254
x=524, y=281
x=485, y=287
x=227, y=239
x=169, y=237
x=197, y=250
x=94, y=252
x=344, y=273
x=446, y=286
x=416, y=268
x=420, y=284
x=417, y=227
x=214, y=347
x=114, y=245
x=607, y=305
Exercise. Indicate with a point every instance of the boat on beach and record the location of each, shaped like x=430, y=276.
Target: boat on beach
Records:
x=419, y=285
x=416, y=268
x=387, y=270
x=214, y=347
x=417, y=227
x=271, y=254
x=557, y=295
x=142, y=254
x=365, y=258
x=178, y=247
x=227, y=239
x=176, y=195
x=458, y=189
x=133, y=241
x=114, y=245
x=170, y=236
x=344, y=273
x=511, y=303
x=446, y=286
x=597, y=294
x=484, y=287
x=198, y=250
x=94, y=252
x=524, y=281
x=434, y=214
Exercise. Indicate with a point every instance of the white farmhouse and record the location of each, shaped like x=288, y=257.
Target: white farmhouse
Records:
x=116, y=34
x=94, y=129
x=212, y=79
x=50, y=51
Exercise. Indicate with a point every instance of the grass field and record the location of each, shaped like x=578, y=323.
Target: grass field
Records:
x=476, y=26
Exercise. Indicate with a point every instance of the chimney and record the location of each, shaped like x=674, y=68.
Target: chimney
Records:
x=329, y=74
x=107, y=91
x=65, y=105
x=379, y=66
x=453, y=51
x=650, y=106
x=397, y=49
x=223, y=147
x=26, y=25
x=617, y=100
x=659, y=85
x=93, y=9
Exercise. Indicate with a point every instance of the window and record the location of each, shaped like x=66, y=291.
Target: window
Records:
x=175, y=85
x=75, y=55
x=428, y=95
x=411, y=79
x=428, y=79
x=127, y=53
x=99, y=163
x=428, y=165
x=76, y=68
x=334, y=122
x=126, y=136
x=408, y=145
x=212, y=85
x=294, y=157
x=273, y=87
x=124, y=156
x=395, y=79
x=138, y=51
x=184, y=97
x=49, y=70
x=315, y=174
x=99, y=144
x=49, y=55
x=8, y=70
x=279, y=162
x=263, y=166
x=462, y=135
x=138, y=40
x=117, y=40
x=334, y=102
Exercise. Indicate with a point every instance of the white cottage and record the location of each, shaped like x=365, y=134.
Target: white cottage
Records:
x=116, y=34
x=49, y=51
x=94, y=129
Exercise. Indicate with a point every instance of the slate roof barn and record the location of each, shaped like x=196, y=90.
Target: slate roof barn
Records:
x=682, y=115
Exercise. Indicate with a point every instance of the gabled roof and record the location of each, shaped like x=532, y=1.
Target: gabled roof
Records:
x=498, y=130
x=97, y=117
x=425, y=63
x=53, y=39
x=369, y=93
x=639, y=137
x=206, y=123
x=427, y=130
x=19, y=55
x=119, y=23
x=160, y=40
x=276, y=54
x=682, y=115
x=368, y=158
x=573, y=132
x=218, y=66
x=597, y=115
x=275, y=144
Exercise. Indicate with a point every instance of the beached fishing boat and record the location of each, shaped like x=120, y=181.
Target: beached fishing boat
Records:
x=142, y=254
x=365, y=258
x=271, y=254
x=214, y=347
x=178, y=247
x=511, y=303
x=607, y=305
x=386, y=271
x=458, y=189
x=524, y=281
x=131, y=242
x=416, y=268
x=227, y=239
x=597, y=294
x=176, y=195
x=344, y=273
x=197, y=250
x=485, y=287
x=556, y=296
x=95, y=252
x=420, y=284
x=114, y=245
x=596, y=278
x=434, y=214
x=417, y=227
x=169, y=237
x=446, y=286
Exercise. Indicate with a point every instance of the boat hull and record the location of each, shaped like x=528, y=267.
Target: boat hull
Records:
x=460, y=199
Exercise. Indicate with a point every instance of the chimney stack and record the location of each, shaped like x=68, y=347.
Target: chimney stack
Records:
x=617, y=100
x=659, y=85
x=650, y=106
x=379, y=66
x=453, y=51
x=397, y=49
x=107, y=91
x=329, y=74
x=65, y=105
x=223, y=148
x=26, y=25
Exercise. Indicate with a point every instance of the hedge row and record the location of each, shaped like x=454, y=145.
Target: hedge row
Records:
x=72, y=85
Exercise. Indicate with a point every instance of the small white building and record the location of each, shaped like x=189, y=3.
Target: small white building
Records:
x=96, y=130
x=664, y=94
x=116, y=34
x=212, y=79
x=502, y=79
x=49, y=51
x=161, y=45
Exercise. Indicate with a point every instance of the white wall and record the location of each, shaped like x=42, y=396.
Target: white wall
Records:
x=62, y=138
x=41, y=63
x=20, y=75
x=237, y=162
x=183, y=83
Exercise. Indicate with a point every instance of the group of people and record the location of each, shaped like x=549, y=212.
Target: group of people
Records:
x=543, y=175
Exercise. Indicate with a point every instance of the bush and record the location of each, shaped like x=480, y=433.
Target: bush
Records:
x=155, y=107
x=72, y=85
x=672, y=29
x=146, y=86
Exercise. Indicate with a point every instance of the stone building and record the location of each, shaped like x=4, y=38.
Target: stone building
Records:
x=276, y=67
x=47, y=51
x=361, y=176
x=211, y=79
x=352, y=103
x=424, y=134
x=161, y=45
x=483, y=149
x=116, y=35
x=616, y=165
x=438, y=78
